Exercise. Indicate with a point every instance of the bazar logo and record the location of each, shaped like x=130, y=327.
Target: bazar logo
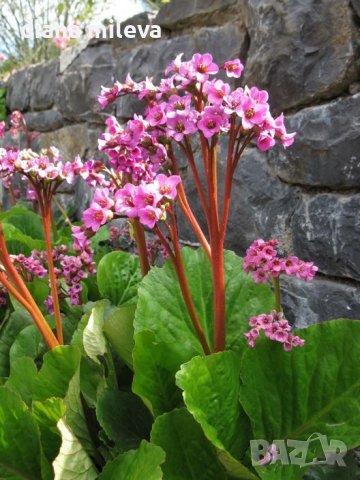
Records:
x=297, y=452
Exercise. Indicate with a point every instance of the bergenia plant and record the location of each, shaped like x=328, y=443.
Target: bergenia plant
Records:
x=190, y=107
x=181, y=363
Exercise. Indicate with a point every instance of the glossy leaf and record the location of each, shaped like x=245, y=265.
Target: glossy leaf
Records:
x=316, y=388
x=72, y=461
x=162, y=311
x=118, y=277
x=20, y=449
x=211, y=393
x=189, y=455
x=124, y=418
x=22, y=376
x=143, y=463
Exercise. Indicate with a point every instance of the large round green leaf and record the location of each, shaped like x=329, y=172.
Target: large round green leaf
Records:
x=189, y=455
x=313, y=389
x=211, y=393
x=141, y=464
x=20, y=449
x=162, y=311
x=118, y=276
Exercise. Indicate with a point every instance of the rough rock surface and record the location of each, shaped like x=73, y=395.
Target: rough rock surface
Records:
x=300, y=51
x=311, y=302
x=81, y=83
x=44, y=85
x=18, y=91
x=326, y=152
x=45, y=121
x=326, y=230
x=184, y=13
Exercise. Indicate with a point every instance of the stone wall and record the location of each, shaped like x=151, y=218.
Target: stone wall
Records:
x=304, y=53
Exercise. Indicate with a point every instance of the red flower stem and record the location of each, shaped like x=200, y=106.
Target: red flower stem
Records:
x=46, y=216
x=178, y=265
x=141, y=246
x=217, y=255
x=232, y=161
x=190, y=156
x=186, y=209
x=40, y=322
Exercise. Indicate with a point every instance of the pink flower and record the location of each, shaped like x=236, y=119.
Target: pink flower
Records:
x=156, y=115
x=147, y=195
x=125, y=201
x=233, y=68
x=61, y=42
x=180, y=125
x=285, y=138
x=252, y=336
x=101, y=197
x=213, y=120
x=203, y=66
x=252, y=112
x=149, y=215
x=265, y=141
x=109, y=95
x=216, y=91
x=167, y=186
x=95, y=216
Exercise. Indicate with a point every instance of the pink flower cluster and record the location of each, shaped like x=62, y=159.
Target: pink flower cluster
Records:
x=174, y=110
x=147, y=202
x=263, y=261
x=70, y=270
x=275, y=327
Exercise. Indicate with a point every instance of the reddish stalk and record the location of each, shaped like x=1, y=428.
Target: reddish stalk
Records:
x=178, y=264
x=46, y=216
x=41, y=323
x=217, y=254
x=141, y=246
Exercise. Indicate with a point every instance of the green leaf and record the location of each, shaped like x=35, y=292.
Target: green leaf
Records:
x=155, y=366
x=211, y=393
x=8, y=333
x=59, y=366
x=118, y=277
x=74, y=413
x=72, y=462
x=119, y=330
x=161, y=310
x=141, y=464
x=23, y=373
x=189, y=455
x=47, y=414
x=124, y=418
x=14, y=235
x=316, y=388
x=28, y=343
x=20, y=449
x=94, y=340
x=28, y=223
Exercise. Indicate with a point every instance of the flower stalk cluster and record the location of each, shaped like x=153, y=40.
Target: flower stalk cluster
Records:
x=142, y=178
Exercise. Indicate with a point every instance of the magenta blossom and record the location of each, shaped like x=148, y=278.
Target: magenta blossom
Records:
x=167, y=185
x=203, y=66
x=95, y=216
x=233, y=68
x=2, y=130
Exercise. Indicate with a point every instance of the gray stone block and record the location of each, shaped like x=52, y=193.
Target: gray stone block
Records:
x=18, y=92
x=44, y=85
x=184, y=13
x=326, y=151
x=305, y=303
x=326, y=230
x=300, y=51
x=45, y=121
x=81, y=84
